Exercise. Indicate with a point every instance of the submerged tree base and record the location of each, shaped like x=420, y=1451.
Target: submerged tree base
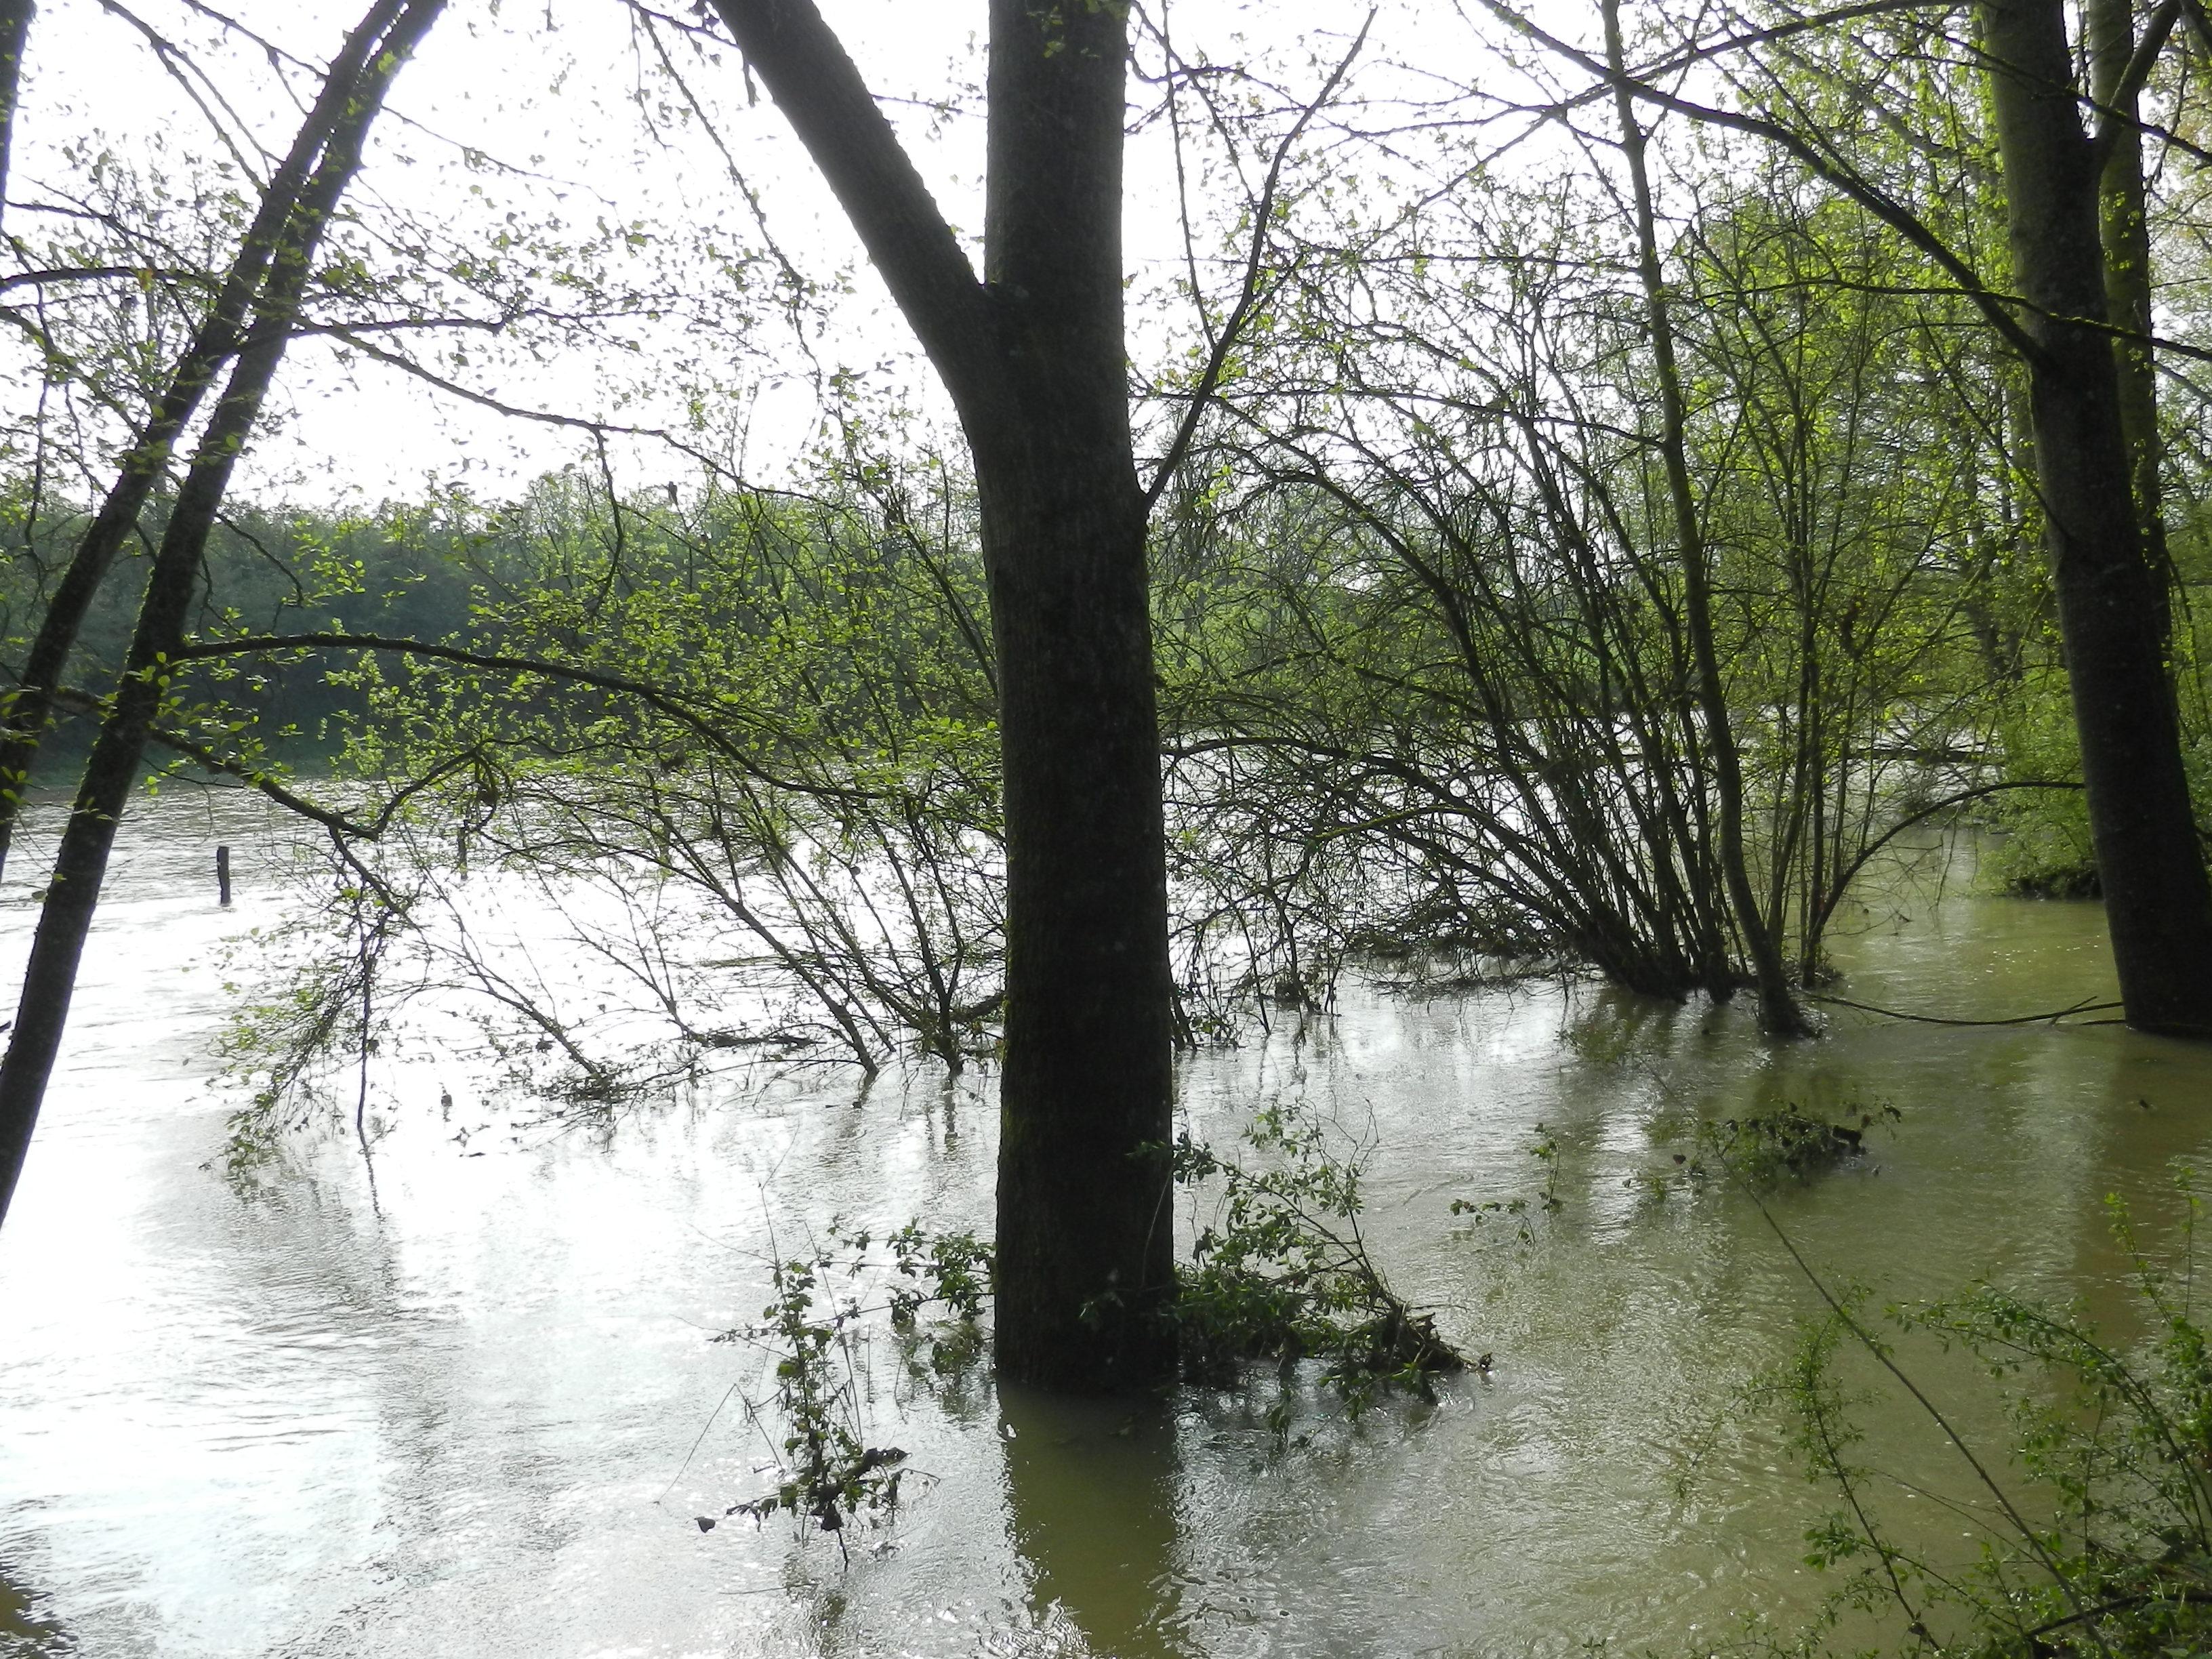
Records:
x=1284, y=1278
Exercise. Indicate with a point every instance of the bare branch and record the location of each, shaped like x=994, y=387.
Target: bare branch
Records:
x=1232, y=328
x=1828, y=168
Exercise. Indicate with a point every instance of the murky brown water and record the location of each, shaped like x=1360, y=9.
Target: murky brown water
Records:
x=457, y=1420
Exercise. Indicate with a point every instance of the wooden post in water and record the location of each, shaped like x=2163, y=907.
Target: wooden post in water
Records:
x=223, y=876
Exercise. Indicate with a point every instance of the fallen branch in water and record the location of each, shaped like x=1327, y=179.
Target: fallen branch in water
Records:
x=2056, y=1014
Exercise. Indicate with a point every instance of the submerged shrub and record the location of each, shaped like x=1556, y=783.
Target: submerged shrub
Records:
x=2101, y=1535
x=1283, y=1273
x=1764, y=1148
x=827, y=1473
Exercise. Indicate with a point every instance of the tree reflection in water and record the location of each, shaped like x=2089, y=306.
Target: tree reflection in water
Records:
x=1091, y=1489
x=25, y=1628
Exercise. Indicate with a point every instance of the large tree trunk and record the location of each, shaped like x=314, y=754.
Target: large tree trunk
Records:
x=2112, y=603
x=112, y=771
x=1034, y=359
x=1086, y=1231
x=1086, y=1228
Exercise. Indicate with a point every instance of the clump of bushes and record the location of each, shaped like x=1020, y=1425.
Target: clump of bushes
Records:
x=1283, y=1273
x=1764, y=1147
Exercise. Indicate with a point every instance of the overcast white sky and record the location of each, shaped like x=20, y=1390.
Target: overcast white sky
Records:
x=550, y=85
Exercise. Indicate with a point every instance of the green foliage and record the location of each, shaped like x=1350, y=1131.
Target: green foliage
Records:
x=1545, y=1150
x=827, y=1473
x=267, y=570
x=948, y=1270
x=798, y=826
x=1762, y=1148
x=2043, y=850
x=1283, y=1273
x=318, y=977
x=1423, y=633
x=2100, y=1538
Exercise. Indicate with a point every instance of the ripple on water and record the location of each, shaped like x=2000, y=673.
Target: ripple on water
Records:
x=456, y=1418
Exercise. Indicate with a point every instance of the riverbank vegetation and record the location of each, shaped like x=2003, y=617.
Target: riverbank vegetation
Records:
x=2089, y=1536
x=1576, y=511
x=1457, y=650
x=1592, y=567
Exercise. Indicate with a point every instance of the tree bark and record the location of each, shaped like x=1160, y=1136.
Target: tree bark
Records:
x=112, y=771
x=14, y=31
x=2113, y=608
x=1778, y=1012
x=27, y=708
x=2125, y=228
x=1034, y=359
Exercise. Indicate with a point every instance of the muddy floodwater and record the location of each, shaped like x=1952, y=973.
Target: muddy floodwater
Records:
x=474, y=1411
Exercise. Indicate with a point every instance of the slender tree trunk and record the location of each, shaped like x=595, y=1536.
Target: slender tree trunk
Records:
x=14, y=33
x=109, y=774
x=2125, y=226
x=2112, y=600
x=1778, y=1012
x=27, y=708
x=1034, y=359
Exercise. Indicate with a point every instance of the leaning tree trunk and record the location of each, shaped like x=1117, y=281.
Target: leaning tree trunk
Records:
x=112, y=770
x=2113, y=612
x=1778, y=1012
x=2110, y=27
x=27, y=708
x=1034, y=359
x=14, y=31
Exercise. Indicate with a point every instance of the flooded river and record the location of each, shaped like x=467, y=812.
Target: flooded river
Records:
x=474, y=1410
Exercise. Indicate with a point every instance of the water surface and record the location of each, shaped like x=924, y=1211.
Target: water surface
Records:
x=473, y=1409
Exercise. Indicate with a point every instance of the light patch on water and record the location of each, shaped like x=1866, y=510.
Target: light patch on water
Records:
x=454, y=1417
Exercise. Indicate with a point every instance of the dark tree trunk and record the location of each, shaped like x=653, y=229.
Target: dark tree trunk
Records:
x=112, y=771
x=14, y=31
x=1034, y=359
x=2125, y=226
x=1778, y=1012
x=1086, y=1229
x=2113, y=612
x=28, y=708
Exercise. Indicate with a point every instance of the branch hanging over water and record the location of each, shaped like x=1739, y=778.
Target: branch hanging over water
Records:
x=675, y=707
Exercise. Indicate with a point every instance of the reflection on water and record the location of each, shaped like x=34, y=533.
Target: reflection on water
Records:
x=286, y=1421
x=26, y=1623
x=1091, y=1489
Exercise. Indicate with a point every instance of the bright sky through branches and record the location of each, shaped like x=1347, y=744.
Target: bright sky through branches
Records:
x=546, y=160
